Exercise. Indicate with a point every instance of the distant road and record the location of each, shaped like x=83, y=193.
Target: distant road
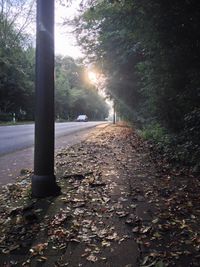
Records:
x=18, y=137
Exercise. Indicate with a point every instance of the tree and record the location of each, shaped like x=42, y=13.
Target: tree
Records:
x=149, y=51
x=73, y=96
x=15, y=80
x=17, y=13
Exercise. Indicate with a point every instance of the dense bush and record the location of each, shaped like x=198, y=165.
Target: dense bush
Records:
x=6, y=116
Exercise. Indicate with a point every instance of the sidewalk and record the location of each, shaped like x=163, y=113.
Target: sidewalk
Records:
x=114, y=211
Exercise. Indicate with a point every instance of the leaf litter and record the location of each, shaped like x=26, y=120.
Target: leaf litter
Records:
x=84, y=212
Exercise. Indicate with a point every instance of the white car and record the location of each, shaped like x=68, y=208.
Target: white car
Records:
x=82, y=118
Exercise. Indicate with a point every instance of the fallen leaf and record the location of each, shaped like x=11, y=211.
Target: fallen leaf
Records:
x=92, y=258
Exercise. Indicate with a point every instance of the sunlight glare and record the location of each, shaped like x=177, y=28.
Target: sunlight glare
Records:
x=92, y=77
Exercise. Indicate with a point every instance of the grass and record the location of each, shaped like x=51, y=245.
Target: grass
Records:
x=8, y=123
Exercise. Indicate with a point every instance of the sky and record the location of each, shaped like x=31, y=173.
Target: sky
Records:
x=65, y=42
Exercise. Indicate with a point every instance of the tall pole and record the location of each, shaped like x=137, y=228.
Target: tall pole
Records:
x=43, y=180
x=114, y=112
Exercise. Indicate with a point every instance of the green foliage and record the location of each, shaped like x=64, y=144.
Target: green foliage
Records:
x=17, y=77
x=16, y=80
x=5, y=117
x=149, y=50
x=154, y=132
x=73, y=95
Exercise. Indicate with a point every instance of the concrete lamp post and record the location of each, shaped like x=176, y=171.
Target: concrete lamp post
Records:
x=43, y=180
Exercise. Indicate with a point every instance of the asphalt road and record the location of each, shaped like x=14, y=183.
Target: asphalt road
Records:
x=17, y=137
x=16, y=145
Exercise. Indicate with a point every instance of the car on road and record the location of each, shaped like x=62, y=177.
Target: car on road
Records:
x=82, y=118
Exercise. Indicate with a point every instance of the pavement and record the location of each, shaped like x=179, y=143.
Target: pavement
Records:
x=107, y=215
x=12, y=163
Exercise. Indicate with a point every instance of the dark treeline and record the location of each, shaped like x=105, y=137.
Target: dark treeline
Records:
x=149, y=51
x=74, y=95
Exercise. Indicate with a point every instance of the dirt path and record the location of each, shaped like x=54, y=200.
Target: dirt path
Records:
x=116, y=210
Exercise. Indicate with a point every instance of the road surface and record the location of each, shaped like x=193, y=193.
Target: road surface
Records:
x=16, y=145
x=17, y=137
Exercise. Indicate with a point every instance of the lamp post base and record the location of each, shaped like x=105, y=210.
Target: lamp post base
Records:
x=44, y=186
